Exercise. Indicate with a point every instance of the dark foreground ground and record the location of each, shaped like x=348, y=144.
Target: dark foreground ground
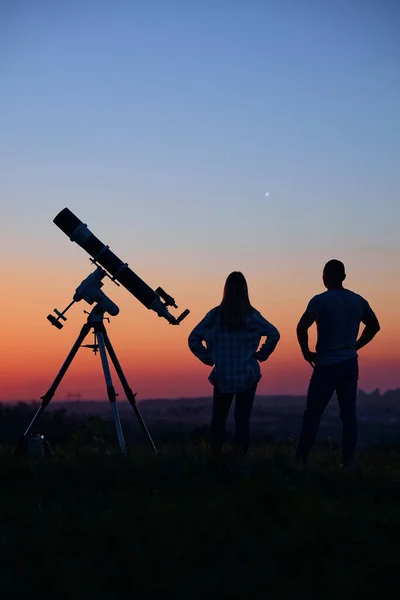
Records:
x=92, y=524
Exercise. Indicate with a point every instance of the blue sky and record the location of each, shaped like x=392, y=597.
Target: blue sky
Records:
x=172, y=120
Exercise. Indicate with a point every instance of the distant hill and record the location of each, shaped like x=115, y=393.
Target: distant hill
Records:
x=275, y=416
x=390, y=398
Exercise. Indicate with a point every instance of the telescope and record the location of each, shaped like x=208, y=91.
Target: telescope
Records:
x=117, y=271
x=107, y=265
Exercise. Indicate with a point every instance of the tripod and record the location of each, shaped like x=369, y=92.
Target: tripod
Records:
x=103, y=344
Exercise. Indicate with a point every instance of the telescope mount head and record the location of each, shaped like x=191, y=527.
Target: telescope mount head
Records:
x=90, y=291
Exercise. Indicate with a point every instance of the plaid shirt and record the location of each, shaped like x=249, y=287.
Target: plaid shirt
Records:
x=233, y=353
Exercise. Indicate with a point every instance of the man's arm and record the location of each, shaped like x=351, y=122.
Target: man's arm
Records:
x=308, y=318
x=371, y=327
x=196, y=338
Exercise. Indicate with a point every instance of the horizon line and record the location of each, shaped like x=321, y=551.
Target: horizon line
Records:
x=180, y=398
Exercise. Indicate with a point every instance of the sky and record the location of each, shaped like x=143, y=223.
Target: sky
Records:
x=195, y=138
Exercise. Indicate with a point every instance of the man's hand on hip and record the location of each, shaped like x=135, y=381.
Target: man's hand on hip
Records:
x=310, y=357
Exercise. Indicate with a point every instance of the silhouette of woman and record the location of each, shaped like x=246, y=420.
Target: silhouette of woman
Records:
x=232, y=332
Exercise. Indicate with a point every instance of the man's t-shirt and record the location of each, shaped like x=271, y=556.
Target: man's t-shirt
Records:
x=339, y=314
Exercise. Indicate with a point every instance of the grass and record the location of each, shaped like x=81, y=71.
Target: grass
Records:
x=93, y=524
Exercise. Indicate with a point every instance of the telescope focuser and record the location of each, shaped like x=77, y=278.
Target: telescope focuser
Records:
x=169, y=301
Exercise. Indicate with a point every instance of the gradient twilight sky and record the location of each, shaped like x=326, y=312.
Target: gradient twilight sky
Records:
x=163, y=125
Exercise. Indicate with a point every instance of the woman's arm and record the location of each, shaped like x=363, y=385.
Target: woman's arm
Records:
x=273, y=336
x=198, y=336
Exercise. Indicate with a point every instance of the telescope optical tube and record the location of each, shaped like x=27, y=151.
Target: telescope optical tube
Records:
x=78, y=232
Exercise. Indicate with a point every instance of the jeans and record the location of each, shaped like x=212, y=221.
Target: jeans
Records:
x=325, y=380
x=221, y=405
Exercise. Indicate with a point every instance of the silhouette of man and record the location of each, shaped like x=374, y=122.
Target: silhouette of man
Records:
x=338, y=313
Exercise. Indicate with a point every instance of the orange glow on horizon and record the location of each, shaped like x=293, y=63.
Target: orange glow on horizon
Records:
x=155, y=355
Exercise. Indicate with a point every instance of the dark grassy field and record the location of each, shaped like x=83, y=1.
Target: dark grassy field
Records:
x=94, y=524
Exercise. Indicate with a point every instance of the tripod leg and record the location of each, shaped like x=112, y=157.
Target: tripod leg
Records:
x=110, y=389
x=128, y=392
x=51, y=391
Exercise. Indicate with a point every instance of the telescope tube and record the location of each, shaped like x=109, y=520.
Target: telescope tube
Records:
x=78, y=232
